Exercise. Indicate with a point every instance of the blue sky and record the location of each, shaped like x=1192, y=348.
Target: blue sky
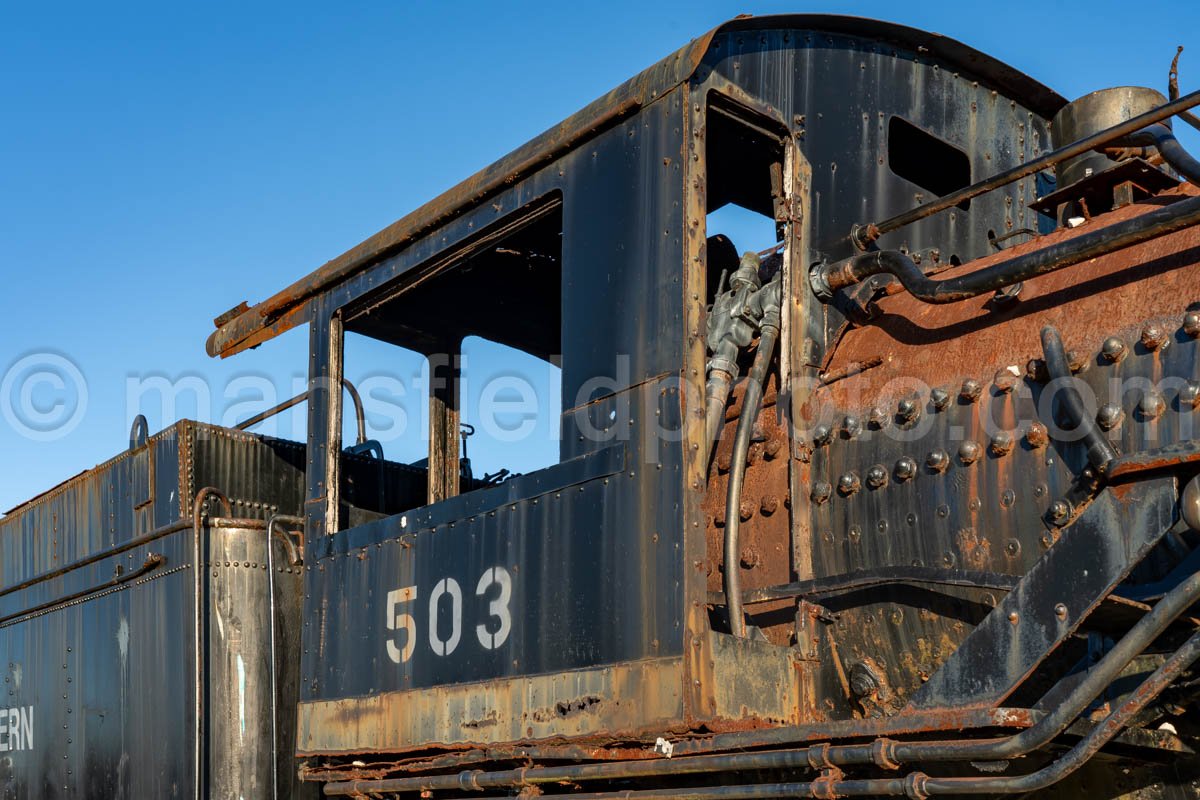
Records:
x=162, y=162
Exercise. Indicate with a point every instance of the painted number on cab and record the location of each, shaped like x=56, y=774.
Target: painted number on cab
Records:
x=404, y=620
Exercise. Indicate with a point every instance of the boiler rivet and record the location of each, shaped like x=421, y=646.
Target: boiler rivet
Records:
x=851, y=426
x=849, y=483
x=1153, y=337
x=908, y=409
x=1037, y=436
x=822, y=434
x=1002, y=443
x=937, y=461
x=878, y=418
x=905, y=468
x=821, y=492
x=1151, y=405
x=940, y=399
x=970, y=391
x=877, y=476
x=968, y=452
x=1109, y=416
x=1113, y=349
x=1191, y=324
x=1005, y=379
x=1060, y=611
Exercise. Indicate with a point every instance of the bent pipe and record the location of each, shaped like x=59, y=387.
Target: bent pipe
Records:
x=1157, y=222
x=198, y=572
x=737, y=474
x=1100, y=452
x=882, y=753
x=1171, y=150
x=917, y=785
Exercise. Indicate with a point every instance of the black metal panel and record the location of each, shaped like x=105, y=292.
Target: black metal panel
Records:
x=1091, y=557
x=590, y=538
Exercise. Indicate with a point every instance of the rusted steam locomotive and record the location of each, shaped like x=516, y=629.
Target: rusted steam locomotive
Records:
x=903, y=502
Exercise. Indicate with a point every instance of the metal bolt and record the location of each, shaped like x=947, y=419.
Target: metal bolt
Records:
x=1035, y=370
x=1191, y=324
x=940, y=399
x=1005, y=379
x=877, y=477
x=1109, y=416
x=1014, y=617
x=1113, y=349
x=970, y=391
x=1060, y=511
x=851, y=426
x=905, y=468
x=1153, y=336
x=1012, y=548
x=1189, y=396
x=908, y=409
x=1037, y=435
x=1060, y=611
x=822, y=434
x=968, y=452
x=937, y=461
x=1152, y=405
x=849, y=483
x=820, y=492
x=1001, y=444
x=878, y=418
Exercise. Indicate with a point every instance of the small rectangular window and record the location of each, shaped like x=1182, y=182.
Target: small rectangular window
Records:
x=925, y=160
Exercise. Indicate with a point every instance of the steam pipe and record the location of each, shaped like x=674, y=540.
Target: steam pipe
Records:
x=198, y=608
x=1101, y=241
x=883, y=753
x=737, y=473
x=863, y=235
x=293, y=557
x=1100, y=452
x=1171, y=150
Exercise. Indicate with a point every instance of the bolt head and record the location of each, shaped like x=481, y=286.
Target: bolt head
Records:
x=1060, y=611
x=905, y=468
x=1151, y=406
x=940, y=399
x=851, y=426
x=1109, y=416
x=1060, y=511
x=1113, y=349
x=769, y=504
x=1189, y=396
x=877, y=476
x=879, y=418
x=908, y=409
x=1005, y=379
x=746, y=510
x=820, y=492
x=970, y=391
x=1035, y=370
x=1153, y=336
x=849, y=483
x=1001, y=444
x=1077, y=361
x=1037, y=435
x=968, y=452
x=1191, y=324
x=821, y=435
x=937, y=461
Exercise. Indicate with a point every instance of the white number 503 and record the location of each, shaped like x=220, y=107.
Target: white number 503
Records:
x=492, y=633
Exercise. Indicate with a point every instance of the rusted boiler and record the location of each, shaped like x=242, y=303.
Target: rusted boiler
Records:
x=902, y=500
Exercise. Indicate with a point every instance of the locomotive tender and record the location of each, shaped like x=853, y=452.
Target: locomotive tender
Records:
x=901, y=503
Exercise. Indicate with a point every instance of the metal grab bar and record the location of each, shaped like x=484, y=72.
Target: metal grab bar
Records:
x=359, y=413
x=863, y=235
x=152, y=561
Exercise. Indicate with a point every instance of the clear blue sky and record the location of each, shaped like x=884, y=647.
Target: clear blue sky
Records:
x=162, y=162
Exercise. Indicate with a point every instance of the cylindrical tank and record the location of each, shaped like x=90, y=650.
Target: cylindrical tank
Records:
x=1093, y=113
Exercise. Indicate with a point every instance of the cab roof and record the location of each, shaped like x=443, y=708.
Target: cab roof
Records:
x=246, y=326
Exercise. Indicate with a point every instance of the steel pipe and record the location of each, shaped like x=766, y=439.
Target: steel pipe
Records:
x=863, y=235
x=1100, y=451
x=1101, y=241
